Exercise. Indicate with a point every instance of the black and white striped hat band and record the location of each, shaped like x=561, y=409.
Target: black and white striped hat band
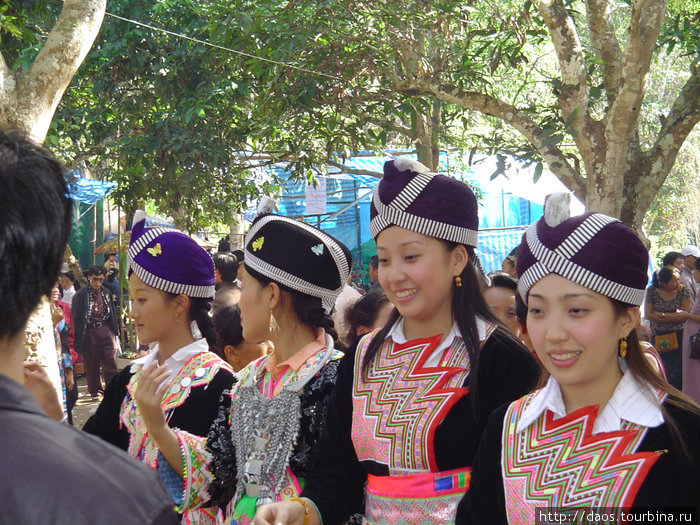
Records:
x=396, y=214
x=559, y=261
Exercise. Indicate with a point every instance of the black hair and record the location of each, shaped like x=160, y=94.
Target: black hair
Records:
x=96, y=270
x=467, y=304
x=110, y=254
x=35, y=222
x=520, y=309
x=308, y=309
x=227, y=327
x=199, y=313
x=502, y=280
x=365, y=310
x=69, y=276
x=663, y=276
x=112, y=274
x=374, y=261
x=240, y=256
x=227, y=264
x=671, y=258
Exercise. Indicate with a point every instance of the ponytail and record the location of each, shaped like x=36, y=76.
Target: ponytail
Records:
x=199, y=313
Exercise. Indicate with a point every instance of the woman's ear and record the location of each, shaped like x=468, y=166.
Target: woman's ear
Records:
x=275, y=295
x=628, y=320
x=182, y=304
x=459, y=258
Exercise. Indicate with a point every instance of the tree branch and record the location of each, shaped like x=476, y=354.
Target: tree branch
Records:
x=605, y=43
x=353, y=171
x=552, y=155
x=64, y=50
x=645, y=24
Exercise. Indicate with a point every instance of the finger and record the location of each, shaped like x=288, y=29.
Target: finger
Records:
x=33, y=365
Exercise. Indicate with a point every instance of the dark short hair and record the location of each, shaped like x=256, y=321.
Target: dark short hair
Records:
x=96, y=269
x=502, y=280
x=374, y=261
x=365, y=310
x=227, y=264
x=35, y=214
x=110, y=254
x=670, y=258
x=227, y=327
x=697, y=264
x=69, y=276
x=239, y=254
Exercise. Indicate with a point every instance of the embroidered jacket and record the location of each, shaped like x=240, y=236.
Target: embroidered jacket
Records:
x=533, y=455
x=210, y=476
x=413, y=414
x=191, y=403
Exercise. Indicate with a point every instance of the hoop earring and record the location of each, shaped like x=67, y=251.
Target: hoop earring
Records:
x=458, y=281
x=623, y=348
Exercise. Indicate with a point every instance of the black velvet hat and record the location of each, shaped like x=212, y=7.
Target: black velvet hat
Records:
x=593, y=250
x=411, y=197
x=298, y=257
x=171, y=261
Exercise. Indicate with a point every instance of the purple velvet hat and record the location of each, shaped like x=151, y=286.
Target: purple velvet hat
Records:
x=411, y=197
x=171, y=261
x=298, y=257
x=592, y=250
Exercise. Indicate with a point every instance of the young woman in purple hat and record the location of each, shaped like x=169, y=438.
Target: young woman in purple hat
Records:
x=606, y=434
x=171, y=285
x=259, y=448
x=411, y=402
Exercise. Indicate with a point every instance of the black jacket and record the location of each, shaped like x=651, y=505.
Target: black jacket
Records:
x=55, y=474
x=80, y=315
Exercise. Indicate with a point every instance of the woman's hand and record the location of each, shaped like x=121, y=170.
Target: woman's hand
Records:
x=283, y=513
x=149, y=396
x=37, y=381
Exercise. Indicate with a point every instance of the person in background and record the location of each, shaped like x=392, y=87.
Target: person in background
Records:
x=369, y=312
x=411, y=402
x=112, y=282
x=508, y=264
x=225, y=272
x=68, y=285
x=63, y=326
x=50, y=471
x=96, y=330
x=347, y=298
x=171, y=284
x=111, y=262
x=690, y=253
x=373, y=272
x=229, y=339
x=673, y=260
x=664, y=306
x=606, y=432
x=691, y=365
x=500, y=297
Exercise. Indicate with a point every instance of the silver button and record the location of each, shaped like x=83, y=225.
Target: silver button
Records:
x=199, y=372
x=175, y=389
x=186, y=382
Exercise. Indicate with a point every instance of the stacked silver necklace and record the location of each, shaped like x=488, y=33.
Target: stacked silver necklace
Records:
x=265, y=430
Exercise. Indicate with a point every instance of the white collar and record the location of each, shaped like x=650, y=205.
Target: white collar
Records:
x=175, y=362
x=397, y=334
x=632, y=401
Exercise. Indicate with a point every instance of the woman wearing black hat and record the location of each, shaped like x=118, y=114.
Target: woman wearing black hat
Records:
x=410, y=404
x=171, y=284
x=259, y=448
x=607, y=434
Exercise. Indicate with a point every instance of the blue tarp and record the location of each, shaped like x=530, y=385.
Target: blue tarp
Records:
x=89, y=191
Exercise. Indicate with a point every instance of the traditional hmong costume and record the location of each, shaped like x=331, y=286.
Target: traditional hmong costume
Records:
x=170, y=261
x=259, y=448
x=535, y=456
x=401, y=435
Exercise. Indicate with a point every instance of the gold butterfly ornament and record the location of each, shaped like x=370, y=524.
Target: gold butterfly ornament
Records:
x=257, y=243
x=155, y=251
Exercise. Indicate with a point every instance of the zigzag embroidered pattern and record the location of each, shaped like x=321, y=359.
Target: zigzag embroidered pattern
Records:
x=562, y=464
x=397, y=408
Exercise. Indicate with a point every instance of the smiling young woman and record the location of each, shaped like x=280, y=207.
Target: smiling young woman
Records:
x=411, y=402
x=606, y=431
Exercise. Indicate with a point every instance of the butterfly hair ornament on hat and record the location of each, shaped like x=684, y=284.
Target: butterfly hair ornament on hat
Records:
x=593, y=250
x=411, y=197
x=169, y=260
x=297, y=256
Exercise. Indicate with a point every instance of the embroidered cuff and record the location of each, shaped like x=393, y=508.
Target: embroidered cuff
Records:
x=172, y=482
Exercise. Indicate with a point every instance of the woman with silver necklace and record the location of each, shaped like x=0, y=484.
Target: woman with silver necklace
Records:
x=259, y=448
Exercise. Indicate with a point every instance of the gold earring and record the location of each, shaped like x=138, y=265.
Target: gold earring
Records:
x=458, y=281
x=623, y=348
x=274, y=326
